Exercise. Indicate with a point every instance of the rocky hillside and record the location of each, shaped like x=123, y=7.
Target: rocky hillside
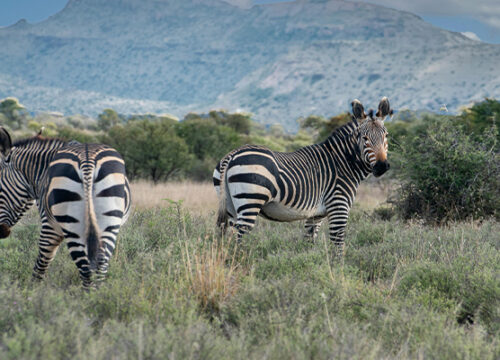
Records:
x=277, y=61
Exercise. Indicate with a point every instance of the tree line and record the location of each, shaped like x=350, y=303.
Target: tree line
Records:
x=447, y=166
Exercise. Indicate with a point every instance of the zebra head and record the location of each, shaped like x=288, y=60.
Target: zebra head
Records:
x=373, y=135
x=14, y=197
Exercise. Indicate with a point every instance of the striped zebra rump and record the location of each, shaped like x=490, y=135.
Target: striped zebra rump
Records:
x=89, y=198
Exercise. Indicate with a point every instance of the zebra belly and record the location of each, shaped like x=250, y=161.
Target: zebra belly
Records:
x=279, y=212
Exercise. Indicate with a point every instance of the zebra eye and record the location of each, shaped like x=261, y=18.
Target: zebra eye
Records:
x=365, y=137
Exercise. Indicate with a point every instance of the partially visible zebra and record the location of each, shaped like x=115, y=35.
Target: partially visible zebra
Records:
x=82, y=194
x=312, y=183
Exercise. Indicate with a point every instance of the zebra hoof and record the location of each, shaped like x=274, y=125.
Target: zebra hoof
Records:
x=89, y=286
x=37, y=277
x=310, y=239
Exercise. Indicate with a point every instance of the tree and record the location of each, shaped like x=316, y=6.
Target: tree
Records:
x=206, y=139
x=107, y=119
x=13, y=113
x=480, y=117
x=208, y=142
x=151, y=149
x=321, y=127
x=68, y=133
x=239, y=122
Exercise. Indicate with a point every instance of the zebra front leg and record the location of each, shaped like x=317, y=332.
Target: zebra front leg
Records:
x=48, y=244
x=337, y=222
x=312, y=227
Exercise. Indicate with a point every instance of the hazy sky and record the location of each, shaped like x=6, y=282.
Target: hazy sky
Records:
x=481, y=17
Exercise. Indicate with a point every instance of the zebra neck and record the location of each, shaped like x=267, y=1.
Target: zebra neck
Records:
x=343, y=146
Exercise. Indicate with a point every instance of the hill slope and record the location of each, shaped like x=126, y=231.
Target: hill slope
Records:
x=278, y=61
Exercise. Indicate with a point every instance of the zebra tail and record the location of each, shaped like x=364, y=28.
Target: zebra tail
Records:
x=222, y=218
x=93, y=239
x=93, y=245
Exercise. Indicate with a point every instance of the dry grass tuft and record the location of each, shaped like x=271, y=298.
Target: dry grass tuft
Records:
x=212, y=272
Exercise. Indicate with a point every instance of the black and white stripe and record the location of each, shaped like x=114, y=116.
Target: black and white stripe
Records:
x=312, y=183
x=82, y=194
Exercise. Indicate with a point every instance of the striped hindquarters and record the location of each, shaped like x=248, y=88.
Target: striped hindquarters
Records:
x=88, y=197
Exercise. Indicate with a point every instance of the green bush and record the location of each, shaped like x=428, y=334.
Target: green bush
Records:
x=446, y=174
x=151, y=149
x=480, y=117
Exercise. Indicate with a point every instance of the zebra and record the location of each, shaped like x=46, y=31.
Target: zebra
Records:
x=82, y=194
x=315, y=182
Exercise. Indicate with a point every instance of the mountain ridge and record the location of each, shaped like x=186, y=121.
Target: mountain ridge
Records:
x=279, y=61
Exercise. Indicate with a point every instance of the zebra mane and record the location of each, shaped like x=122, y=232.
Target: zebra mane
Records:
x=37, y=140
x=345, y=130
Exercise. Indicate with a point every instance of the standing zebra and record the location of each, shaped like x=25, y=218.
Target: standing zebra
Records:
x=82, y=194
x=312, y=183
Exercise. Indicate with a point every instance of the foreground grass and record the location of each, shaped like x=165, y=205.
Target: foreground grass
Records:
x=404, y=291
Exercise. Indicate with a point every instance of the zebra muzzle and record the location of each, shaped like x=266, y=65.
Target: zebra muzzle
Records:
x=4, y=231
x=380, y=168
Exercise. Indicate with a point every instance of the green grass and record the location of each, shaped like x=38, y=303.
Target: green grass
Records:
x=404, y=291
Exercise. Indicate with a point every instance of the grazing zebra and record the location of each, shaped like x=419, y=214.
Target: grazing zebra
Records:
x=312, y=183
x=82, y=194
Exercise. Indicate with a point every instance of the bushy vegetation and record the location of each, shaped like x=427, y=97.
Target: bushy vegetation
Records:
x=404, y=291
x=157, y=147
x=448, y=166
x=151, y=149
x=176, y=290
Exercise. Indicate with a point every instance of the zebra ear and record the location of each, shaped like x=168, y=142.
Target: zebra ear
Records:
x=5, y=142
x=384, y=108
x=358, y=111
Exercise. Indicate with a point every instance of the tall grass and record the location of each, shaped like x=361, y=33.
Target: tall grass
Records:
x=404, y=291
x=212, y=272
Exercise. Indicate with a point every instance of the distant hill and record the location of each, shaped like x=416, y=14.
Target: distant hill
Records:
x=277, y=61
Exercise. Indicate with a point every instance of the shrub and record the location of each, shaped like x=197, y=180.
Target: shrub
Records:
x=448, y=175
x=151, y=149
x=383, y=212
x=442, y=285
x=479, y=118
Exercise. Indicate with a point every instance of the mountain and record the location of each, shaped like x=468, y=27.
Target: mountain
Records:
x=278, y=61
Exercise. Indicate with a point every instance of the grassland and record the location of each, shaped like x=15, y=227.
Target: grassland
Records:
x=175, y=291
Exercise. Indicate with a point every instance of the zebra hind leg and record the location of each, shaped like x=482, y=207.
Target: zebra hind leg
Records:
x=224, y=223
x=246, y=220
x=48, y=246
x=108, y=242
x=102, y=268
x=79, y=256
